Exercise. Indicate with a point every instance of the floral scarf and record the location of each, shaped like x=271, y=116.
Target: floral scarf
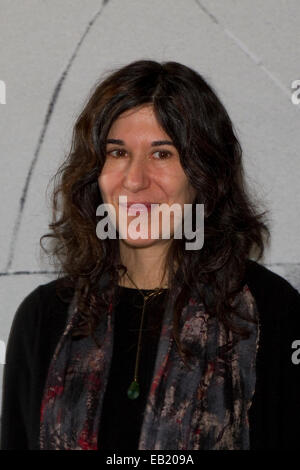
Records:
x=205, y=407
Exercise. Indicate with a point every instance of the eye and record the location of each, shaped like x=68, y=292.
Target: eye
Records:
x=165, y=154
x=119, y=151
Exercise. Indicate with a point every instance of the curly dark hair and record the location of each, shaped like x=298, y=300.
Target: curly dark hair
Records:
x=190, y=112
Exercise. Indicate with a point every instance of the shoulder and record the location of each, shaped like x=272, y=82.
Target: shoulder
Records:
x=44, y=298
x=42, y=313
x=264, y=282
x=278, y=302
x=27, y=311
x=260, y=278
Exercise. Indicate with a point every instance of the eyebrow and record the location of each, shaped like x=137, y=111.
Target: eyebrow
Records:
x=153, y=144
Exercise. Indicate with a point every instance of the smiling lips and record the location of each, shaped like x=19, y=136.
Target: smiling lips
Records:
x=139, y=206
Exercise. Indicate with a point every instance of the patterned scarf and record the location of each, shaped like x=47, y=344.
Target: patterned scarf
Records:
x=205, y=407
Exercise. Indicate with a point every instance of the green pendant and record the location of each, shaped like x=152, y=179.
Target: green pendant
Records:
x=133, y=391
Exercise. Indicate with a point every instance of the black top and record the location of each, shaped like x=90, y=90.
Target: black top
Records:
x=40, y=320
x=121, y=416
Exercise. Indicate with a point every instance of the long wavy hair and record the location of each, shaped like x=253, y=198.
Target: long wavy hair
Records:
x=190, y=112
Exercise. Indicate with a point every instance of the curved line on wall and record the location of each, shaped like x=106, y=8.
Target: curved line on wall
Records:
x=49, y=113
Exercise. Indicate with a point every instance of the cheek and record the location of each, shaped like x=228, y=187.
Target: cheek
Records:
x=106, y=181
x=187, y=190
x=180, y=188
x=101, y=183
x=171, y=182
x=104, y=186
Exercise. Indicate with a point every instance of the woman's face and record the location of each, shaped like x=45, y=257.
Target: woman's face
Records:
x=143, y=164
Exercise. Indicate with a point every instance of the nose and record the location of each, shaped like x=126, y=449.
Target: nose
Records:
x=136, y=175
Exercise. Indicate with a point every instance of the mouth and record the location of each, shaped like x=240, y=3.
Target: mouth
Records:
x=144, y=206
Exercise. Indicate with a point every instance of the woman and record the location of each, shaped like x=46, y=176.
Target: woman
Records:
x=142, y=343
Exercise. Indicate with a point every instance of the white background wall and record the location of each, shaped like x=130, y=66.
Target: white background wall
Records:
x=53, y=51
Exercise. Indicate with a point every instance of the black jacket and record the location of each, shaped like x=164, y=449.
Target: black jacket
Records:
x=274, y=416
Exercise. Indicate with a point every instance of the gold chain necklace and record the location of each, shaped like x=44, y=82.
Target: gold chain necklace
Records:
x=134, y=389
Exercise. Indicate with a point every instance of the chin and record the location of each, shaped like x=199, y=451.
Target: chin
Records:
x=140, y=242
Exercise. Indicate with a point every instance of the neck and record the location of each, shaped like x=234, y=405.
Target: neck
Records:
x=145, y=265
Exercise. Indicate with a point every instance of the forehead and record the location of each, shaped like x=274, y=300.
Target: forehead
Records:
x=137, y=120
x=145, y=110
